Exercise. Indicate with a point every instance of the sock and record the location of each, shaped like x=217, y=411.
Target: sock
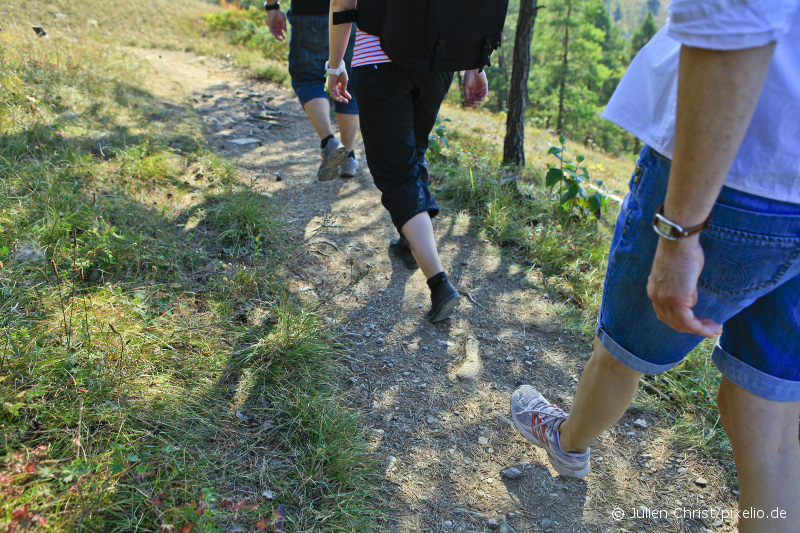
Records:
x=324, y=142
x=435, y=281
x=352, y=154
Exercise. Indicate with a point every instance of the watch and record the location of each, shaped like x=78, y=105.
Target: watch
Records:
x=334, y=71
x=270, y=7
x=673, y=232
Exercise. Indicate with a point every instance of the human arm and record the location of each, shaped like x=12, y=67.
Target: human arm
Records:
x=339, y=35
x=717, y=94
x=276, y=21
x=476, y=87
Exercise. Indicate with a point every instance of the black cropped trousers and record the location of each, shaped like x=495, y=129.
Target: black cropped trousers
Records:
x=397, y=111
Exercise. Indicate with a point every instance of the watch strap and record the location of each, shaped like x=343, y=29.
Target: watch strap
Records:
x=672, y=231
x=271, y=7
x=334, y=71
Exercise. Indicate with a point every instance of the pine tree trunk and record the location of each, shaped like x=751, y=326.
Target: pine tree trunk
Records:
x=514, y=144
x=461, y=88
x=564, y=72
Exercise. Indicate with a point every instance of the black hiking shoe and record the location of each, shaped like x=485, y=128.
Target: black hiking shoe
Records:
x=400, y=248
x=444, y=300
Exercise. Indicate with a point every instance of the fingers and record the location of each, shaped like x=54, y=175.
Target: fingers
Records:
x=338, y=89
x=684, y=321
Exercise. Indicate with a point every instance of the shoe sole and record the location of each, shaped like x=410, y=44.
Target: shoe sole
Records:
x=554, y=460
x=330, y=170
x=445, y=308
x=410, y=266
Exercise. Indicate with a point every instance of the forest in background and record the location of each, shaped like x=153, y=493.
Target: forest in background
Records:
x=586, y=47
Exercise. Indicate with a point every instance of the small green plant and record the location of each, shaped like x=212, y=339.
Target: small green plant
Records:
x=437, y=141
x=569, y=178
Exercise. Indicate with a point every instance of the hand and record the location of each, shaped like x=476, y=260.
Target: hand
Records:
x=276, y=21
x=337, y=87
x=476, y=87
x=672, y=286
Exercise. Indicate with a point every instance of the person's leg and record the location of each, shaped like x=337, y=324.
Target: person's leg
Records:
x=348, y=128
x=347, y=114
x=319, y=114
x=604, y=392
x=764, y=437
x=419, y=233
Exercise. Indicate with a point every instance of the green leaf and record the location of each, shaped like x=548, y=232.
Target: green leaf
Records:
x=553, y=176
x=132, y=457
x=574, y=190
x=582, y=192
x=554, y=150
x=565, y=198
x=580, y=159
x=595, y=203
x=561, y=139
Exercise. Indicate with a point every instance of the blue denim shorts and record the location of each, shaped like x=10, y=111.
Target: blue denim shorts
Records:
x=750, y=283
x=308, y=52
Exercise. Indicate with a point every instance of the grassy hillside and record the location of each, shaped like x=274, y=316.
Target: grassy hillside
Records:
x=629, y=14
x=155, y=374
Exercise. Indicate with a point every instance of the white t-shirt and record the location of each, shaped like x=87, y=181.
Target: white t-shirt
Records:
x=768, y=161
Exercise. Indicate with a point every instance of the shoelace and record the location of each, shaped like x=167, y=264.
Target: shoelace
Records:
x=548, y=420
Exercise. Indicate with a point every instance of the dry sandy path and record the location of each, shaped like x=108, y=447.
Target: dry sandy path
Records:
x=445, y=441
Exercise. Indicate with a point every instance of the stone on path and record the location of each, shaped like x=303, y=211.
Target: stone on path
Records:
x=701, y=481
x=471, y=367
x=512, y=473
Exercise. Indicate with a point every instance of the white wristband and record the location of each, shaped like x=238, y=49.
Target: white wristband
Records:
x=336, y=71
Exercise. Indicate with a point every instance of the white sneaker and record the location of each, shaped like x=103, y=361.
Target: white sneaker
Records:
x=349, y=168
x=333, y=155
x=538, y=421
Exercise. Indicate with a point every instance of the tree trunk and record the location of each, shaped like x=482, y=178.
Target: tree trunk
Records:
x=514, y=144
x=564, y=72
x=461, y=88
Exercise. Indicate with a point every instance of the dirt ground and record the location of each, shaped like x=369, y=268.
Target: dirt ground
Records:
x=435, y=398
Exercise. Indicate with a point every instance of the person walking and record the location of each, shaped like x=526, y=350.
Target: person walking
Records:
x=707, y=244
x=308, y=49
x=399, y=95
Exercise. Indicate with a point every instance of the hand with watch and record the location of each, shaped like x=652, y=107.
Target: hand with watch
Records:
x=276, y=20
x=677, y=265
x=337, y=82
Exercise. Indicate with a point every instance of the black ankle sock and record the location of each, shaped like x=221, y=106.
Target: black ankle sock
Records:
x=324, y=142
x=352, y=154
x=436, y=280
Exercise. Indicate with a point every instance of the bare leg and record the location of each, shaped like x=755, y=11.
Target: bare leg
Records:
x=765, y=447
x=419, y=233
x=604, y=393
x=348, y=127
x=319, y=113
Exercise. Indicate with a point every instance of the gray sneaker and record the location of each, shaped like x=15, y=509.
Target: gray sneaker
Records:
x=538, y=421
x=349, y=168
x=333, y=155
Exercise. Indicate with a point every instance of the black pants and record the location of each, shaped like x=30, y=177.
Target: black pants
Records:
x=397, y=110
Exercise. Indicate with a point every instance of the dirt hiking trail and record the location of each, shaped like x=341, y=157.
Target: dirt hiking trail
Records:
x=435, y=397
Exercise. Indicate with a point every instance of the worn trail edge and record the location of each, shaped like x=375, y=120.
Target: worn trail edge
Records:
x=435, y=397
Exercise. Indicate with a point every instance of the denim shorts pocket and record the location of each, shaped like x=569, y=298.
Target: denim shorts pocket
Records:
x=741, y=263
x=647, y=186
x=310, y=23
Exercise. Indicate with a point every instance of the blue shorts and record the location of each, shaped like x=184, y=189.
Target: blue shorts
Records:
x=750, y=283
x=308, y=52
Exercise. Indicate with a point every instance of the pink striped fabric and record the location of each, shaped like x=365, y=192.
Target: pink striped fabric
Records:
x=367, y=50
